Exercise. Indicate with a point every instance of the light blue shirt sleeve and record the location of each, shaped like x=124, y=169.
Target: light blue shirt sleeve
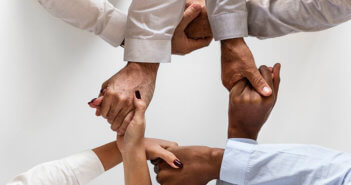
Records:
x=247, y=163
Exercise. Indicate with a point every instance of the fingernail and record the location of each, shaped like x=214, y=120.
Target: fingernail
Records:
x=137, y=95
x=267, y=90
x=178, y=163
x=92, y=101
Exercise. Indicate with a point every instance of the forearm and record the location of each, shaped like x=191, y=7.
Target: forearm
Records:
x=109, y=155
x=136, y=170
x=268, y=19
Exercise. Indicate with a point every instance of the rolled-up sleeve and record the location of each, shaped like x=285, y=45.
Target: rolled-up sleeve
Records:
x=78, y=169
x=150, y=27
x=228, y=18
x=97, y=16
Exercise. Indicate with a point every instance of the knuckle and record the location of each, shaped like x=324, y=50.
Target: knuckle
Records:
x=246, y=99
x=174, y=144
x=236, y=100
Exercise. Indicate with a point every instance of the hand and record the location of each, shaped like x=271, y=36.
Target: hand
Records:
x=134, y=135
x=181, y=44
x=200, y=27
x=238, y=63
x=201, y=165
x=248, y=110
x=115, y=102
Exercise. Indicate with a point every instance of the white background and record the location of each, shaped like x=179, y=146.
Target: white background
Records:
x=49, y=71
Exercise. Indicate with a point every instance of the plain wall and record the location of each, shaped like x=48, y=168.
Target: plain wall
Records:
x=49, y=71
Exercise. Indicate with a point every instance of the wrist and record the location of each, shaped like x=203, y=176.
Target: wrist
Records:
x=237, y=132
x=148, y=68
x=216, y=155
x=234, y=50
x=133, y=151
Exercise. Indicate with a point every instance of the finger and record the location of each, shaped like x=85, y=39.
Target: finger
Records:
x=113, y=112
x=122, y=129
x=276, y=78
x=267, y=75
x=190, y=14
x=258, y=82
x=200, y=43
x=238, y=88
x=167, y=144
x=140, y=107
x=121, y=116
x=105, y=105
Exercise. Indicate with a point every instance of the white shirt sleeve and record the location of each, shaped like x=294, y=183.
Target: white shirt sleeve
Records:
x=96, y=16
x=228, y=18
x=150, y=27
x=78, y=169
x=268, y=19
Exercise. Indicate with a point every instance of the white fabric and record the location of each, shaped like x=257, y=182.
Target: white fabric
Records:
x=147, y=30
x=228, y=18
x=77, y=169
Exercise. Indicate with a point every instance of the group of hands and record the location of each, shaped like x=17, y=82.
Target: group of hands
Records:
x=124, y=98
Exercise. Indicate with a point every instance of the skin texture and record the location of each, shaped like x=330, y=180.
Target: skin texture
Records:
x=132, y=148
x=134, y=152
x=181, y=43
x=238, y=63
x=115, y=101
x=201, y=165
x=110, y=155
x=200, y=27
x=248, y=111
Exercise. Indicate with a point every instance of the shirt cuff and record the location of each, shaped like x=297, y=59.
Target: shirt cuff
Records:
x=86, y=166
x=236, y=159
x=148, y=51
x=229, y=25
x=115, y=29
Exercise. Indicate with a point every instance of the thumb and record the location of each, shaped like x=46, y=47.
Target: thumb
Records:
x=169, y=158
x=190, y=14
x=258, y=82
x=140, y=106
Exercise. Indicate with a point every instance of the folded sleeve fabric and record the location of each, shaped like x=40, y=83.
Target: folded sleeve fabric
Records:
x=78, y=169
x=97, y=16
x=228, y=18
x=246, y=162
x=150, y=27
x=268, y=19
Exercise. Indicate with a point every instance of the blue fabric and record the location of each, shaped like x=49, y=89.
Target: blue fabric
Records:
x=247, y=163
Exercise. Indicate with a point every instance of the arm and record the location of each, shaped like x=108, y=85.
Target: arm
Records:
x=77, y=169
x=150, y=27
x=267, y=19
x=136, y=170
x=98, y=17
x=245, y=162
x=228, y=20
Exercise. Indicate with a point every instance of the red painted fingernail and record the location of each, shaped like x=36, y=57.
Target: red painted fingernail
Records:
x=178, y=163
x=137, y=95
x=92, y=101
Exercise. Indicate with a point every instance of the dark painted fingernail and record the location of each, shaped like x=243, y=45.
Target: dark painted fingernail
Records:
x=178, y=163
x=92, y=101
x=137, y=95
